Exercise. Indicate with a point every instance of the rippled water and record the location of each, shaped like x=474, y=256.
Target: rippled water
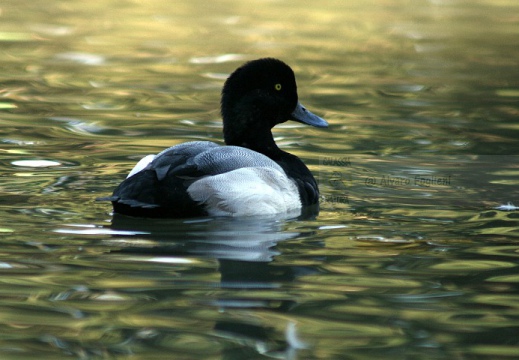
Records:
x=412, y=255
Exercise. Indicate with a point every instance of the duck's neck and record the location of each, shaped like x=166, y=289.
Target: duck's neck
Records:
x=254, y=135
x=258, y=141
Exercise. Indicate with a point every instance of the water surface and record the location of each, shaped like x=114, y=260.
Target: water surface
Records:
x=410, y=256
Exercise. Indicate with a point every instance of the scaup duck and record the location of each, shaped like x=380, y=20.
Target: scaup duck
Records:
x=250, y=176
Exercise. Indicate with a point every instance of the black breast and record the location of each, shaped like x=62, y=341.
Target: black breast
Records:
x=297, y=171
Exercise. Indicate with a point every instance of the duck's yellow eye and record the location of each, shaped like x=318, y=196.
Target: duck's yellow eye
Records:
x=277, y=87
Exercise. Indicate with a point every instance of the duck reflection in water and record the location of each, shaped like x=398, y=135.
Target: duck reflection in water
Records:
x=244, y=248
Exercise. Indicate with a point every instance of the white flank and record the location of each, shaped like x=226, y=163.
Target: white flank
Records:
x=247, y=192
x=145, y=161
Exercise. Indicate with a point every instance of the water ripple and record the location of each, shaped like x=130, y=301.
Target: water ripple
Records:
x=217, y=59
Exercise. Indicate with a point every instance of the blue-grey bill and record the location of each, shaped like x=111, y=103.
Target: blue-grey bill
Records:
x=306, y=117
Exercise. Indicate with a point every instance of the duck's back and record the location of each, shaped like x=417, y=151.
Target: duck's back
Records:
x=202, y=178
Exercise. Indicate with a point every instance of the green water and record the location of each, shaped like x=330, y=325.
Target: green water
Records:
x=409, y=257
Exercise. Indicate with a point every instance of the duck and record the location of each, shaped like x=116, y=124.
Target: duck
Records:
x=248, y=176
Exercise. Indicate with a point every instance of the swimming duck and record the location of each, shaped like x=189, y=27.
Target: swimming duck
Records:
x=249, y=176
